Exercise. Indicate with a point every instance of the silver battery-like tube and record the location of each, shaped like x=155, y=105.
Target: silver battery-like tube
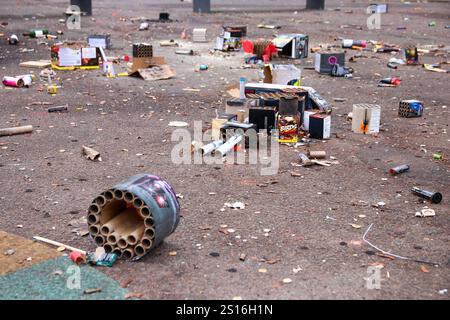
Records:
x=227, y=146
x=210, y=147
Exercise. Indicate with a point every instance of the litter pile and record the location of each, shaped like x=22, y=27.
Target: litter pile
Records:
x=270, y=99
x=134, y=216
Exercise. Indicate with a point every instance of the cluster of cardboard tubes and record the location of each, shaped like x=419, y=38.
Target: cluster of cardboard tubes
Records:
x=122, y=223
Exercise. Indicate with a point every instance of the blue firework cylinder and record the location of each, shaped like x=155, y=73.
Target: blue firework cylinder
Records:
x=160, y=198
x=410, y=108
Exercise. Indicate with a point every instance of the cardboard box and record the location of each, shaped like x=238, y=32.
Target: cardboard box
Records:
x=306, y=115
x=218, y=123
x=410, y=108
x=366, y=118
x=231, y=38
x=282, y=74
x=100, y=41
x=236, y=31
x=228, y=44
x=320, y=126
x=313, y=98
x=294, y=46
x=199, y=35
x=263, y=118
x=378, y=8
x=142, y=50
x=143, y=63
x=73, y=55
x=324, y=61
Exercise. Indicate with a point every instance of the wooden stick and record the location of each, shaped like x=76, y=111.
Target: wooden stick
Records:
x=15, y=130
x=59, y=244
x=321, y=163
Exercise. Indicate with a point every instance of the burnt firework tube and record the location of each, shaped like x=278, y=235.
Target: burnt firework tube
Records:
x=434, y=197
x=228, y=145
x=134, y=216
x=399, y=169
x=210, y=147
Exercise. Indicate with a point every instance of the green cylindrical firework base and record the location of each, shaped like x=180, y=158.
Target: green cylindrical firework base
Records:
x=135, y=215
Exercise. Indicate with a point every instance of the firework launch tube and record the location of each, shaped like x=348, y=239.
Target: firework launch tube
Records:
x=434, y=197
x=134, y=216
x=227, y=146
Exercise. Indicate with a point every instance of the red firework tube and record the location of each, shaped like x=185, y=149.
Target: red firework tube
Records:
x=77, y=257
x=399, y=169
x=13, y=82
x=395, y=81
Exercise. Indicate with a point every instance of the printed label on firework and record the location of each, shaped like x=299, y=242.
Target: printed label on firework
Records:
x=288, y=131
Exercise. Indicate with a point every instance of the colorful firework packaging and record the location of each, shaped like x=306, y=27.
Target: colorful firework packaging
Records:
x=411, y=56
x=410, y=108
x=288, y=120
x=288, y=128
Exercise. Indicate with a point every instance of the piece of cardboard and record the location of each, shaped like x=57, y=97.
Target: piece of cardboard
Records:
x=143, y=63
x=160, y=72
x=168, y=43
x=199, y=35
x=36, y=64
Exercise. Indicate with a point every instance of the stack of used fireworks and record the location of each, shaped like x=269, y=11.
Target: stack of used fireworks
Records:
x=134, y=216
x=410, y=108
x=142, y=50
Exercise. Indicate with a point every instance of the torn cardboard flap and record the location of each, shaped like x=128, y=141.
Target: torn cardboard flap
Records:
x=160, y=72
x=151, y=68
x=142, y=63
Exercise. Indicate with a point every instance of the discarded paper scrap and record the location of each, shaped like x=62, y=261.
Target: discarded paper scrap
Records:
x=91, y=154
